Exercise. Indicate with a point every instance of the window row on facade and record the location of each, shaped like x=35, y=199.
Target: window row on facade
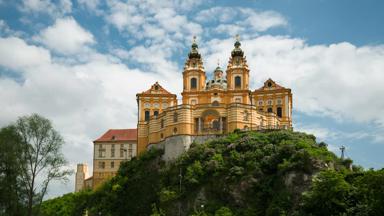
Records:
x=147, y=116
x=279, y=111
x=193, y=82
x=121, y=152
x=155, y=105
x=111, y=164
x=269, y=102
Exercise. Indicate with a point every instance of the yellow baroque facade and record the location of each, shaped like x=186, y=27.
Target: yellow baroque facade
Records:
x=211, y=107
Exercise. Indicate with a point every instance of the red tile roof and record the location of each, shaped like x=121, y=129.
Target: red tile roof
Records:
x=119, y=135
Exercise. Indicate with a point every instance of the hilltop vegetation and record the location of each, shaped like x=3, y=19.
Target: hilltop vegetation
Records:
x=245, y=173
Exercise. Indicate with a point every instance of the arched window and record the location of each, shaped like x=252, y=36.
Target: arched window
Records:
x=270, y=109
x=156, y=113
x=193, y=83
x=147, y=115
x=279, y=112
x=238, y=82
x=215, y=103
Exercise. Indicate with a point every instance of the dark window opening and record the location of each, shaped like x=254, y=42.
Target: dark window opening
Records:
x=215, y=103
x=156, y=113
x=175, y=117
x=238, y=82
x=146, y=115
x=193, y=83
x=279, y=112
x=269, y=84
x=156, y=88
x=196, y=125
x=270, y=109
x=162, y=123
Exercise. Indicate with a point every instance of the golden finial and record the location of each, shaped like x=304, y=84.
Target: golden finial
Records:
x=194, y=39
x=237, y=37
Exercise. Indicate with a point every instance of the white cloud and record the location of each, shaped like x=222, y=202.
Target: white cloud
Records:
x=82, y=100
x=66, y=36
x=339, y=80
x=86, y=97
x=54, y=9
x=152, y=20
x=91, y=5
x=238, y=20
x=16, y=54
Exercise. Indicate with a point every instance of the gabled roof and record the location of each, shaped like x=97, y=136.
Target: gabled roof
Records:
x=270, y=84
x=156, y=89
x=119, y=135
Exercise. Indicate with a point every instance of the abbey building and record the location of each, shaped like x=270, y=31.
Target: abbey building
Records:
x=209, y=108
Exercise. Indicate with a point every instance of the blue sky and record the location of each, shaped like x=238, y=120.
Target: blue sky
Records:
x=81, y=62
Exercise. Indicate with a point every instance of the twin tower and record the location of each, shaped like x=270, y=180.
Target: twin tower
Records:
x=209, y=107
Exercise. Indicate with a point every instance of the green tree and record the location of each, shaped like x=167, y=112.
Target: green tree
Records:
x=223, y=211
x=329, y=195
x=12, y=199
x=42, y=154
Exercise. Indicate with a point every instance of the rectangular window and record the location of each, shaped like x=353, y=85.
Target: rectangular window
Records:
x=122, y=150
x=112, y=164
x=113, y=150
x=101, y=151
x=101, y=164
x=197, y=125
x=279, y=112
x=175, y=117
x=130, y=150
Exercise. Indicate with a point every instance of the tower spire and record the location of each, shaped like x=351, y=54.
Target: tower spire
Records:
x=237, y=50
x=194, y=53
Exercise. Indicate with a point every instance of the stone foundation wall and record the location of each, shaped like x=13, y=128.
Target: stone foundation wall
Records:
x=176, y=145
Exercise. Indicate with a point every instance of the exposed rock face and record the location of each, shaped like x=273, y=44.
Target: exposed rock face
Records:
x=176, y=145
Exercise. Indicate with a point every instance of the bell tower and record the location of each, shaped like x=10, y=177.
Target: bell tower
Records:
x=237, y=69
x=238, y=76
x=193, y=76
